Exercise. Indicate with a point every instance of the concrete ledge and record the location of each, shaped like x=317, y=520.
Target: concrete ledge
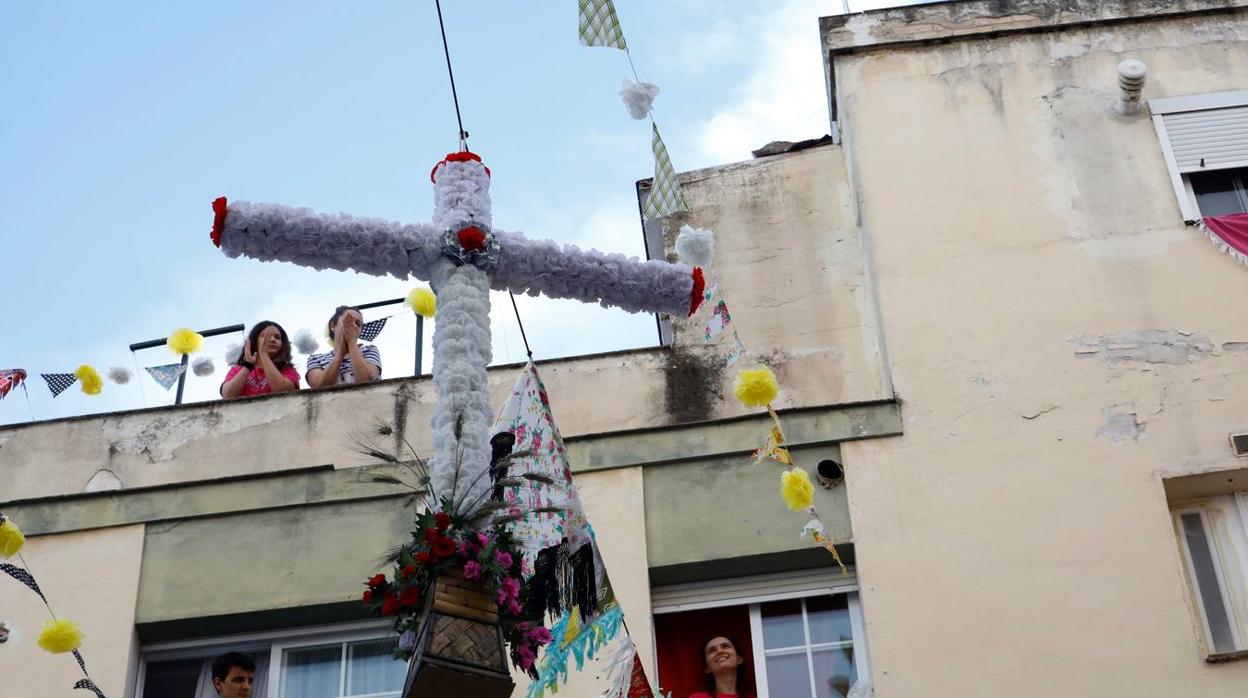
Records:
x=813, y=426
x=970, y=18
x=293, y=488
x=725, y=568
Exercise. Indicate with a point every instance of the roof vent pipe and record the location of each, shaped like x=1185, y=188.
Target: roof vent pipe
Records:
x=1131, y=74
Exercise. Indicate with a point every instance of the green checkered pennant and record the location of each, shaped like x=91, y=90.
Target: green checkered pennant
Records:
x=665, y=195
x=600, y=26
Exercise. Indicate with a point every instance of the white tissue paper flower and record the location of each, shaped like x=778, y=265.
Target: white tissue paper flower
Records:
x=233, y=352
x=120, y=375
x=203, y=366
x=695, y=246
x=305, y=343
x=638, y=97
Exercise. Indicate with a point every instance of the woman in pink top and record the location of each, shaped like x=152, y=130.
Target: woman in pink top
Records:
x=722, y=664
x=263, y=366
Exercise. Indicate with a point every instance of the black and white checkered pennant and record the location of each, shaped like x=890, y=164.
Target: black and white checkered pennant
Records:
x=24, y=577
x=82, y=663
x=370, y=330
x=90, y=686
x=58, y=382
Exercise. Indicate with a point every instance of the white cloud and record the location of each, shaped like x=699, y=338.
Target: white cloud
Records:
x=784, y=95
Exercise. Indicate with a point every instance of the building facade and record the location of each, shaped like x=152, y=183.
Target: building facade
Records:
x=986, y=299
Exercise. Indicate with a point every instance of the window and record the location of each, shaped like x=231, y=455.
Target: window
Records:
x=1220, y=192
x=1205, y=142
x=799, y=632
x=1213, y=538
x=344, y=662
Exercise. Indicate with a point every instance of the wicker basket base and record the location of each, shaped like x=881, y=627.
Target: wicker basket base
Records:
x=459, y=646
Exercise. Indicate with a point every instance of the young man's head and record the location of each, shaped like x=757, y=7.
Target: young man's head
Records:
x=232, y=675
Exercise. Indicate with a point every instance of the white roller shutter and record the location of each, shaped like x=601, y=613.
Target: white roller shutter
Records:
x=1201, y=133
x=1212, y=139
x=760, y=588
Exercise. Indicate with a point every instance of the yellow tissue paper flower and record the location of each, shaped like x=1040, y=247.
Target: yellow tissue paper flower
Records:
x=60, y=636
x=756, y=387
x=423, y=302
x=11, y=538
x=796, y=489
x=184, y=340
x=90, y=379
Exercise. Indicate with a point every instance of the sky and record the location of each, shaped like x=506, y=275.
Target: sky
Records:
x=121, y=122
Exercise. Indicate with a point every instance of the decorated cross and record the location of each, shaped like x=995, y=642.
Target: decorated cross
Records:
x=463, y=257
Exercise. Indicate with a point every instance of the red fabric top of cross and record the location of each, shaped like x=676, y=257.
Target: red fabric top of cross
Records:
x=462, y=156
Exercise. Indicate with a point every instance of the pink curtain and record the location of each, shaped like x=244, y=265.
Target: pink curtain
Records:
x=1230, y=232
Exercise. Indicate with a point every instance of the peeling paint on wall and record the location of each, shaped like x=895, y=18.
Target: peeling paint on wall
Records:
x=1120, y=426
x=1234, y=346
x=160, y=437
x=1145, y=346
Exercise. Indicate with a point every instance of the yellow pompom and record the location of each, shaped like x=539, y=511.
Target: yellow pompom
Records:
x=184, y=340
x=796, y=490
x=423, y=302
x=11, y=538
x=60, y=636
x=756, y=387
x=90, y=379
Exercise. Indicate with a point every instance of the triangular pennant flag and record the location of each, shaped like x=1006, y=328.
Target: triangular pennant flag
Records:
x=775, y=441
x=89, y=685
x=82, y=663
x=665, y=195
x=737, y=351
x=59, y=382
x=718, y=322
x=370, y=330
x=10, y=378
x=22, y=576
x=165, y=376
x=599, y=25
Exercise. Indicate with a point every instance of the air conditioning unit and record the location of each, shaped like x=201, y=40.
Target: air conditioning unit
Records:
x=1239, y=444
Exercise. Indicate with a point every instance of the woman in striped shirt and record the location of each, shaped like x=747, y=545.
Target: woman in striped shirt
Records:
x=349, y=362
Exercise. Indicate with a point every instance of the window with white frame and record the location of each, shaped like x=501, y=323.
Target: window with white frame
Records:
x=1205, y=142
x=801, y=633
x=1213, y=538
x=346, y=661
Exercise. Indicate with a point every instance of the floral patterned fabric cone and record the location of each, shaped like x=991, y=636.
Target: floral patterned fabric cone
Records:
x=563, y=567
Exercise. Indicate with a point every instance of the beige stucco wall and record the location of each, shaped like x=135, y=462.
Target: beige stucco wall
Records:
x=1016, y=540
x=90, y=578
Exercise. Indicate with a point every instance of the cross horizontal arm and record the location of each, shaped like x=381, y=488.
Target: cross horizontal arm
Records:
x=273, y=232
x=610, y=279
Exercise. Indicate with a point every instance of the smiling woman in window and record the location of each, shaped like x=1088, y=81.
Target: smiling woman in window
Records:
x=722, y=665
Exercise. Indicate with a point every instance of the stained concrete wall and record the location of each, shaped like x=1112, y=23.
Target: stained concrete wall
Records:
x=1061, y=341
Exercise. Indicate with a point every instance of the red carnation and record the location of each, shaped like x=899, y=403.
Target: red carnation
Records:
x=377, y=581
x=443, y=520
x=368, y=596
x=219, y=207
x=389, y=605
x=408, y=571
x=422, y=558
x=410, y=597
x=443, y=547
x=430, y=536
x=471, y=238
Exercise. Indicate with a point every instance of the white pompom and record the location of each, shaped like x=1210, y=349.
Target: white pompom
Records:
x=305, y=343
x=203, y=366
x=120, y=375
x=696, y=246
x=638, y=97
x=233, y=352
